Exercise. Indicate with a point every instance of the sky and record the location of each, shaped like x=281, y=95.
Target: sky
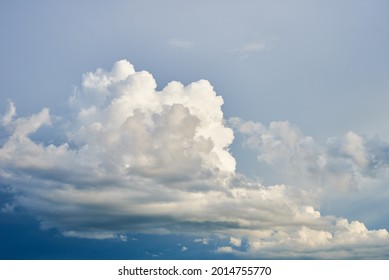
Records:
x=194, y=129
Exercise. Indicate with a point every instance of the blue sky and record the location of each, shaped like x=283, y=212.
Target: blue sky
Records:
x=194, y=129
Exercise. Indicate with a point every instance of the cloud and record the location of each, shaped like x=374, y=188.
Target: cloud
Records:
x=138, y=160
x=180, y=44
x=6, y=199
x=235, y=241
x=225, y=249
x=251, y=48
x=8, y=116
x=339, y=164
x=204, y=241
x=254, y=47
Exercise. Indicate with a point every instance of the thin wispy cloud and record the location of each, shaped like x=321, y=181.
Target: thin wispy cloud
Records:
x=251, y=48
x=180, y=44
x=254, y=47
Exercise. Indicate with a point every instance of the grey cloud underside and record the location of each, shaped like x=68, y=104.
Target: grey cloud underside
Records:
x=140, y=160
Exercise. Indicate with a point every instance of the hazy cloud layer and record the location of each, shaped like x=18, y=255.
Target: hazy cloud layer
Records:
x=135, y=159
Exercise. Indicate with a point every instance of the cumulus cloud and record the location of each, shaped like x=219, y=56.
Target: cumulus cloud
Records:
x=340, y=163
x=140, y=160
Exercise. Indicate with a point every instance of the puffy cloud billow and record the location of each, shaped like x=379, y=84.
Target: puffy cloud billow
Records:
x=340, y=164
x=138, y=160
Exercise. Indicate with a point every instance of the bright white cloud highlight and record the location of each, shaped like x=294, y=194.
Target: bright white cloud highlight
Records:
x=140, y=160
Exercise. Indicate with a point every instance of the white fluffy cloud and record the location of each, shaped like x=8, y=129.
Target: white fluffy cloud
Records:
x=340, y=164
x=140, y=160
